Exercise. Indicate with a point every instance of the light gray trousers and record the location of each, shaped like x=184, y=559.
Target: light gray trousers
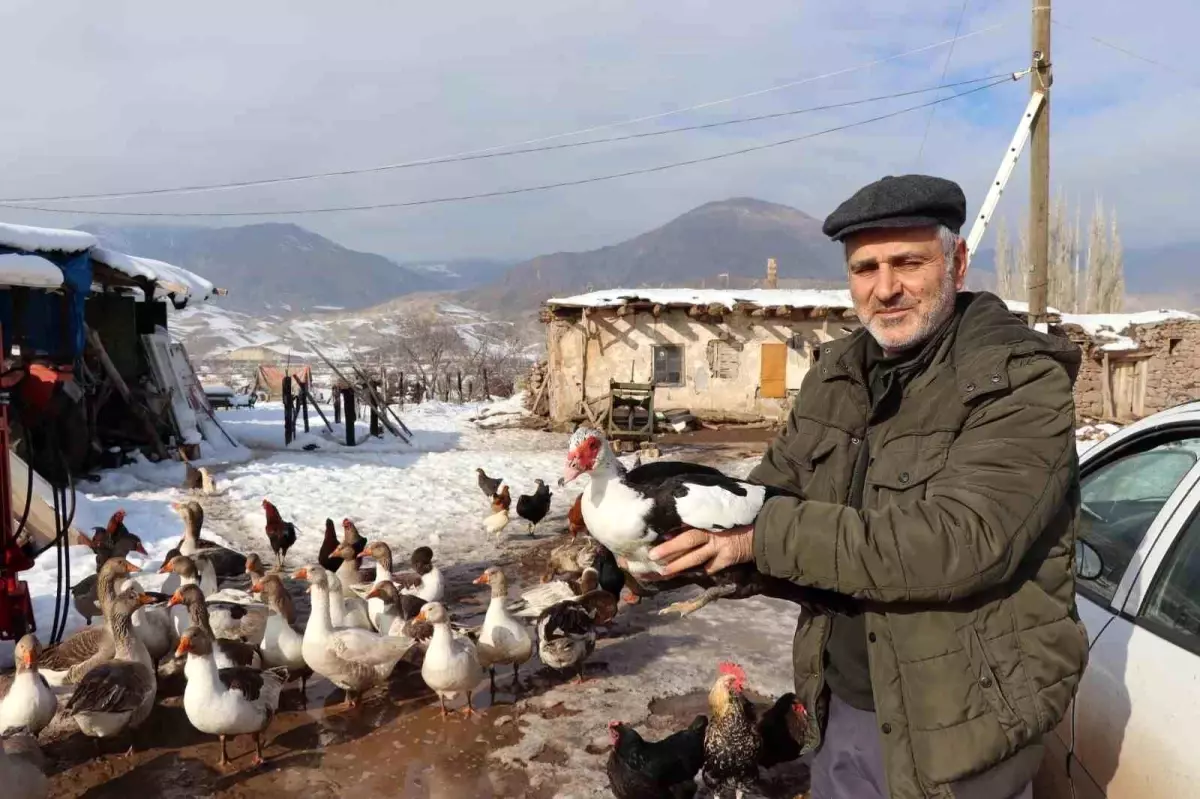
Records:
x=849, y=764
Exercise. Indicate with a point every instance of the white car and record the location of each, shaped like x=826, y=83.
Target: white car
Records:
x=1135, y=723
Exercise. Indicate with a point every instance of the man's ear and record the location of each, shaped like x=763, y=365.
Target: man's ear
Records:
x=961, y=264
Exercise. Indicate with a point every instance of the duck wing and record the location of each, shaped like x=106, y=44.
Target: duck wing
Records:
x=367, y=648
x=115, y=687
x=74, y=650
x=227, y=563
x=704, y=502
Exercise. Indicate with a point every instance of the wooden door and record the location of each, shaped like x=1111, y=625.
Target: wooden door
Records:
x=772, y=382
x=1129, y=389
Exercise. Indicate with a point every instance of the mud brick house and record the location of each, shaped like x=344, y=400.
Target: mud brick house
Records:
x=1134, y=364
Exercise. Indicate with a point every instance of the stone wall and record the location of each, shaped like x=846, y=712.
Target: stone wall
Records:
x=1171, y=350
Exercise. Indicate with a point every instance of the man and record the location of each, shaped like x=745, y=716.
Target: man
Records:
x=934, y=456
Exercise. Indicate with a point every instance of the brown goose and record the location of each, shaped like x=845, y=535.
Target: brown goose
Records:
x=226, y=562
x=400, y=612
x=117, y=696
x=229, y=652
x=282, y=643
x=67, y=662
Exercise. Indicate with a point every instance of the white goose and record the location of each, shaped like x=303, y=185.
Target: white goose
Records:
x=346, y=609
x=118, y=695
x=229, y=701
x=451, y=664
x=282, y=645
x=503, y=639
x=352, y=659
x=29, y=702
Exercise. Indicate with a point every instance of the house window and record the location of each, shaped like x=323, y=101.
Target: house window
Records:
x=1172, y=344
x=668, y=366
x=723, y=358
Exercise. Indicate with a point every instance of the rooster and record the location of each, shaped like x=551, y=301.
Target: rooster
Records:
x=783, y=728
x=640, y=769
x=501, y=501
x=281, y=534
x=732, y=742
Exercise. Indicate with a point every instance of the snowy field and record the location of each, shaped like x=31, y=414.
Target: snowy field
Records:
x=408, y=495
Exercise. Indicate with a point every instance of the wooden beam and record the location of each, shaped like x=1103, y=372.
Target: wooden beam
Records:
x=139, y=410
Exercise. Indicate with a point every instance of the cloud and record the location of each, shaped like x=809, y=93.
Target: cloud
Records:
x=129, y=95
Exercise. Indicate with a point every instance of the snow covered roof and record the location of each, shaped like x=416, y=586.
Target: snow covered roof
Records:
x=170, y=278
x=677, y=298
x=21, y=269
x=1111, y=327
x=44, y=239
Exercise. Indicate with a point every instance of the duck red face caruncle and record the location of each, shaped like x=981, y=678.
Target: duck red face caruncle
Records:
x=583, y=453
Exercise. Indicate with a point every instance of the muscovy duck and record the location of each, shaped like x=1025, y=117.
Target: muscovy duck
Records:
x=632, y=511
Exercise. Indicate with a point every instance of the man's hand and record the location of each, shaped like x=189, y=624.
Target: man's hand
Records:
x=719, y=550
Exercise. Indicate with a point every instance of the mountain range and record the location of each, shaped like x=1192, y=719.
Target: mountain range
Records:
x=284, y=270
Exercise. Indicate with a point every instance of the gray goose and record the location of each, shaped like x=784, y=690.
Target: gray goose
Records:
x=229, y=652
x=116, y=697
x=228, y=563
x=67, y=662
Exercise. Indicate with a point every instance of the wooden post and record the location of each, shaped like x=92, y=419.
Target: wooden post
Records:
x=1106, y=390
x=1039, y=167
x=348, y=403
x=337, y=405
x=289, y=418
x=376, y=428
x=486, y=386
x=304, y=403
x=460, y=394
x=317, y=407
x=401, y=396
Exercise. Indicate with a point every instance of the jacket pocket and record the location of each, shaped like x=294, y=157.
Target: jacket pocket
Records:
x=986, y=682
x=900, y=474
x=806, y=457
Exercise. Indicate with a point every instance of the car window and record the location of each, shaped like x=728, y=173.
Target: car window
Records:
x=1120, y=501
x=1174, y=601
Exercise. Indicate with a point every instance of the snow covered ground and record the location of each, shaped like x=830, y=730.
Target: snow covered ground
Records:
x=425, y=493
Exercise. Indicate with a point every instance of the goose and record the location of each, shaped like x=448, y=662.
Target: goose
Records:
x=381, y=553
x=114, y=541
x=352, y=659
x=229, y=652
x=503, y=639
x=566, y=636
x=400, y=612
x=282, y=645
x=66, y=663
x=22, y=766
x=225, y=561
x=346, y=609
x=254, y=568
x=191, y=571
x=29, y=702
x=117, y=696
x=226, y=701
x=451, y=665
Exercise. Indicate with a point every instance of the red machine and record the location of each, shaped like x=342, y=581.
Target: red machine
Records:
x=16, y=609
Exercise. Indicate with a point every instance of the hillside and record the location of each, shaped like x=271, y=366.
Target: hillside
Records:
x=284, y=268
x=734, y=237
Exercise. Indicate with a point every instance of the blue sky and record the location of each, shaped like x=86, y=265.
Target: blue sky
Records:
x=138, y=94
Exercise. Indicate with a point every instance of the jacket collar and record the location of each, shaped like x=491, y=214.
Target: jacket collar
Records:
x=988, y=335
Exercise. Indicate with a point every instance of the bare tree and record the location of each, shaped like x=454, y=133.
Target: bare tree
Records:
x=1112, y=282
x=1064, y=245
x=426, y=345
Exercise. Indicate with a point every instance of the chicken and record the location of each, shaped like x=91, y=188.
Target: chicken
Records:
x=575, y=522
x=329, y=543
x=281, y=534
x=640, y=769
x=501, y=501
x=534, y=507
x=488, y=485
x=783, y=728
x=732, y=742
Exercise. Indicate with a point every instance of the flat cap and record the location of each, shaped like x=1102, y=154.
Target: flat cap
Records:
x=899, y=202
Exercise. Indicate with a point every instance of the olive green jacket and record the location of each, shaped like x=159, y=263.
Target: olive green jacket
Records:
x=963, y=552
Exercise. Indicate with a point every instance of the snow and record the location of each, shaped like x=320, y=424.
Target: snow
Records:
x=19, y=269
x=1110, y=328
x=44, y=239
x=794, y=298
x=170, y=278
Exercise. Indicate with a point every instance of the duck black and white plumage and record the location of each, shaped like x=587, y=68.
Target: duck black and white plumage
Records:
x=534, y=507
x=566, y=636
x=631, y=512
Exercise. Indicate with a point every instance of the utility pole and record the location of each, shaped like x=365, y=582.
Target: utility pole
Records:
x=1039, y=167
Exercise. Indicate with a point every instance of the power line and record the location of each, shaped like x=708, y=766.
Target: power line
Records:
x=1190, y=78
x=525, y=151
x=962, y=15
x=527, y=189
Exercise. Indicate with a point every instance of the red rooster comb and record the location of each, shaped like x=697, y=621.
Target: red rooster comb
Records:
x=733, y=670
x=799, y=709
x=347, y=523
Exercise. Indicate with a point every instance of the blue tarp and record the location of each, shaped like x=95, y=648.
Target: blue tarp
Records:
x=51, y=321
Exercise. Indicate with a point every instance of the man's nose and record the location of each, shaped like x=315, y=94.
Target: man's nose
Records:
x=886, y=284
